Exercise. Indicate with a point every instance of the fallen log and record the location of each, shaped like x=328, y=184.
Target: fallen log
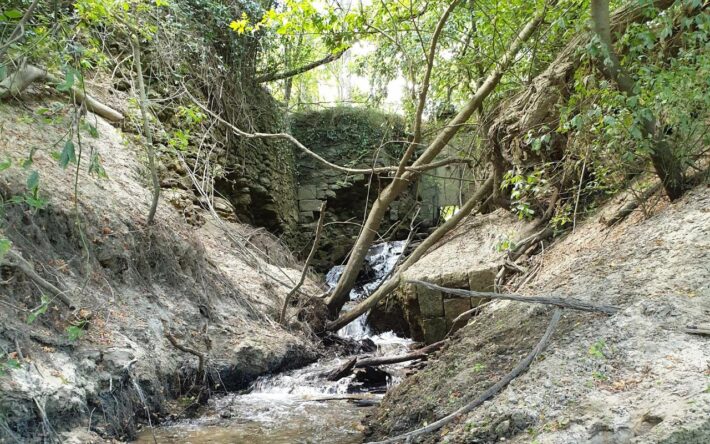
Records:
x=573, y=304
x=385, y=360
x=342, y=371
x=16, y=83
x=488, y=394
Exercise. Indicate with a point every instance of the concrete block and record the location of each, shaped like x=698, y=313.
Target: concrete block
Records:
x=434, y=329
x=430, y=302
x=309, y=205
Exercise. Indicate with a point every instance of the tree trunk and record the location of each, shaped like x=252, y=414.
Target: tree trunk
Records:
x=667, y=165
x=392, y=191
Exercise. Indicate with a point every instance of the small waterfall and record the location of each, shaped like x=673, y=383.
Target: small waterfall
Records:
x=380, y=262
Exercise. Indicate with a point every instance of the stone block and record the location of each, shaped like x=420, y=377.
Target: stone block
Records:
x=434, y=329
x=309, y=205
x=482, y=279
x=305, y=216
x=430, y=302
x=306, y=192
x=453, y=308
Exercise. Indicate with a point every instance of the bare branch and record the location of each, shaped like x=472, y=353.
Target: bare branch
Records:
x=301, y=69
x=573, y=304
x=314, y=247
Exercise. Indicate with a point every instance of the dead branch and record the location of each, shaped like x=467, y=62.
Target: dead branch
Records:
x=301, y=69
x=15, y=84
x=285, y=136
x=19, y=32
x=695, y=330
x=343, y=370
x=314, y=247
x=28, y=269
x=491, y=392
x=200, y=356
x=385, y=360
x=573, y=304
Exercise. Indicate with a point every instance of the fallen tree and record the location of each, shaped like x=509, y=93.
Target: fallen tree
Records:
x=21, y=79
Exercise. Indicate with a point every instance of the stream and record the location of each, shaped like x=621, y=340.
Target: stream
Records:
x=301, y=406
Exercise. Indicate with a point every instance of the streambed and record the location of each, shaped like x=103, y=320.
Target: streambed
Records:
x=300, y=406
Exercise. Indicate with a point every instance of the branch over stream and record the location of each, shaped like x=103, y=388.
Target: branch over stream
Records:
x=573, y=304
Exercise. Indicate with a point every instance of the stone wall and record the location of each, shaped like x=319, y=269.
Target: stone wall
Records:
x=352, y=137
x=261, y=173
x=468, y=258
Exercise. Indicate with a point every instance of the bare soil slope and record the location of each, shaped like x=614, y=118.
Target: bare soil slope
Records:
x=206, y=286
x=635, y=377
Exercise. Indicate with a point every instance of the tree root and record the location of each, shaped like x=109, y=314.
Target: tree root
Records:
x=200, y=356
x=492, y=391
x=29, y=270
x=570, y=303
x=28, y=74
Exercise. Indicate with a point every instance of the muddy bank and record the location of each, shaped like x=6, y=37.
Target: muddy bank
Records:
x=635, y=377
x=132, y=284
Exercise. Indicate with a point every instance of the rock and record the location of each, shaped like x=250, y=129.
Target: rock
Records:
x=503, y=428
x=430, y=302
x=434, y=329
x=117, y=359
x=453, y=308
x=309, y=205
x=307, y=192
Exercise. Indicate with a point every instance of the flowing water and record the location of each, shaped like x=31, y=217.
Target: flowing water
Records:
x=299, y=406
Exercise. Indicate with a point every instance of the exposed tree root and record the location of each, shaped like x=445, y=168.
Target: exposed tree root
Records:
x=570, y=303
x=16, y=83
x=200, y=356
x=492, y=391
x=29, y=270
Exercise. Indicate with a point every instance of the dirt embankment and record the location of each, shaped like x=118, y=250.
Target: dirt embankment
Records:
x=634, y=377
x=133, y=282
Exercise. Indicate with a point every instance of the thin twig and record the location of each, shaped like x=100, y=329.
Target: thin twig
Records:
x=314, y=247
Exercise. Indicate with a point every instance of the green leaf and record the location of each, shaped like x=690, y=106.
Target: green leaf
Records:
x=68, y=154
x=95, y=166
x=33, y=181
x=37, y=312
x=74, y=332
x=13, y=14
x=5, y=164
x=12, y=363
x=5, y=246
x=68, y=83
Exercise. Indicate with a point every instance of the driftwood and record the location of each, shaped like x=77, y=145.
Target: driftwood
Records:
x=28, y=74
x=342, y=371
x=574, y=304
x=29, y=270
x=384, y=360
x=492, y=391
